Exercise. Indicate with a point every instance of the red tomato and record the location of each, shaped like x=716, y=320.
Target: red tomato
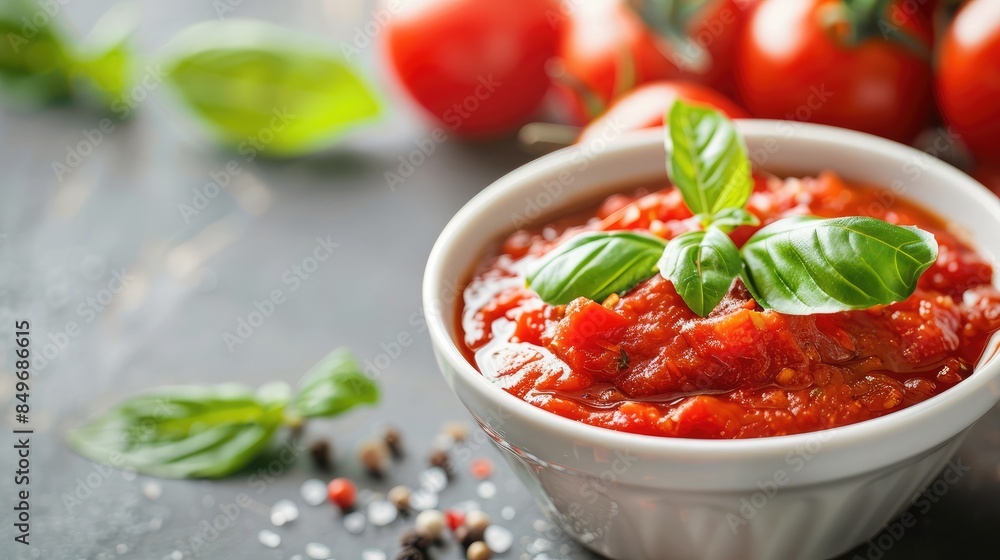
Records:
x=478, y=67
x=645, y=107
x=607, y=49
x=717, y=29
x=968, y=78
x=791, y=67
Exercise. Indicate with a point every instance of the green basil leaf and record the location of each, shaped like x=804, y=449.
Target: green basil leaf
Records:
x=801, y=266
x=596, y=265
x=35, y=60
x=105, y=59
x=708, y=161
x=729, y=219
x=263, y=89
x=334, y=385
x=702, y=266
x=182, y=432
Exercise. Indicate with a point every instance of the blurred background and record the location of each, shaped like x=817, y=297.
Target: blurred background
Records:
x=212, y=191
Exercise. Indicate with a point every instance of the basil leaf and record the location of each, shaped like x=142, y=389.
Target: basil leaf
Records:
x=702, y=266
x=708, y=161
x=182, y=432
x=596, y=265
x=801, y=266
x=105, y=59
x=729, y=219
x=35, y=60
x=334, y=385
x=263, y=89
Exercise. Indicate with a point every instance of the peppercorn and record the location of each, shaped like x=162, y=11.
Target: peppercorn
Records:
x=400, y=497
x=478, y=551
x=412, y=539
x=465, y=535
x=394, y=442
x=454, y=518
x=481, y=468
x=430, y=524
x=374, y=455
x=439, y=458
x=342, y=492
x=456, y=430
x=477, y=521
x=321, y=451
x=410, y=553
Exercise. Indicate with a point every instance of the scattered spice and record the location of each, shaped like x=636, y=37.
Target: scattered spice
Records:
x=374, y=457
x=457, y=430
x=466, y=535
x=400, y=497
x=410, y=553
x=430, y=524
x=439, y=458
x=342, y=493
x=394, y=442
x=481, y=468
x=478, y=551
x=321, y=453
x=454, y=519
x=413, y=539
x=469, y=525
x=477, y=520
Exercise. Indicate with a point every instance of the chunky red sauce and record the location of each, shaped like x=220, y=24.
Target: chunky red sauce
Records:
x=645, y=363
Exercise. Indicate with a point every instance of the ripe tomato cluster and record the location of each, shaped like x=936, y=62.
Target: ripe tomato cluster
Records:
x=888, y=67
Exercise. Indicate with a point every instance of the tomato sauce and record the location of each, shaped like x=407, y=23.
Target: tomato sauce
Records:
x=644, y=363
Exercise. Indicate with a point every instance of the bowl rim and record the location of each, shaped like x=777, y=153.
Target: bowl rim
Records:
x=860, y=433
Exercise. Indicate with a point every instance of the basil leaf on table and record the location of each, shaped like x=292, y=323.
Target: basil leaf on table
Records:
x=105, y=58
x=702, y=266
x=253, y=81
x=333, y=386
x=801, y=266
x=209, y=432
x=596, y=265
x=35, y=60
x=181, y=432
x=708, y=161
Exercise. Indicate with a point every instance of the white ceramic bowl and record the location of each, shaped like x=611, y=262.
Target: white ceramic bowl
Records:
x=637, y=497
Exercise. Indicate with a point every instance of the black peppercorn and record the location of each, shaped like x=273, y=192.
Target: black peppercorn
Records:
x=410, y=553
x=321, y=452
x=440, y=459
x=412, y=539
x=394, y=441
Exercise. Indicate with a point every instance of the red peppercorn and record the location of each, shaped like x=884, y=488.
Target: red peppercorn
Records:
x=342, y=493
x=454, y=519
x=481, y=468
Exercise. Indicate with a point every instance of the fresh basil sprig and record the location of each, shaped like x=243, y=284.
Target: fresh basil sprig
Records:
x=797, y=266
x=333, y=386
x=729, y=219
x=210, y=432
x=807, y=265
x=40, y=65
x=708, y=161
x=702, y=266
x=596, y=265
x=263, y=88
